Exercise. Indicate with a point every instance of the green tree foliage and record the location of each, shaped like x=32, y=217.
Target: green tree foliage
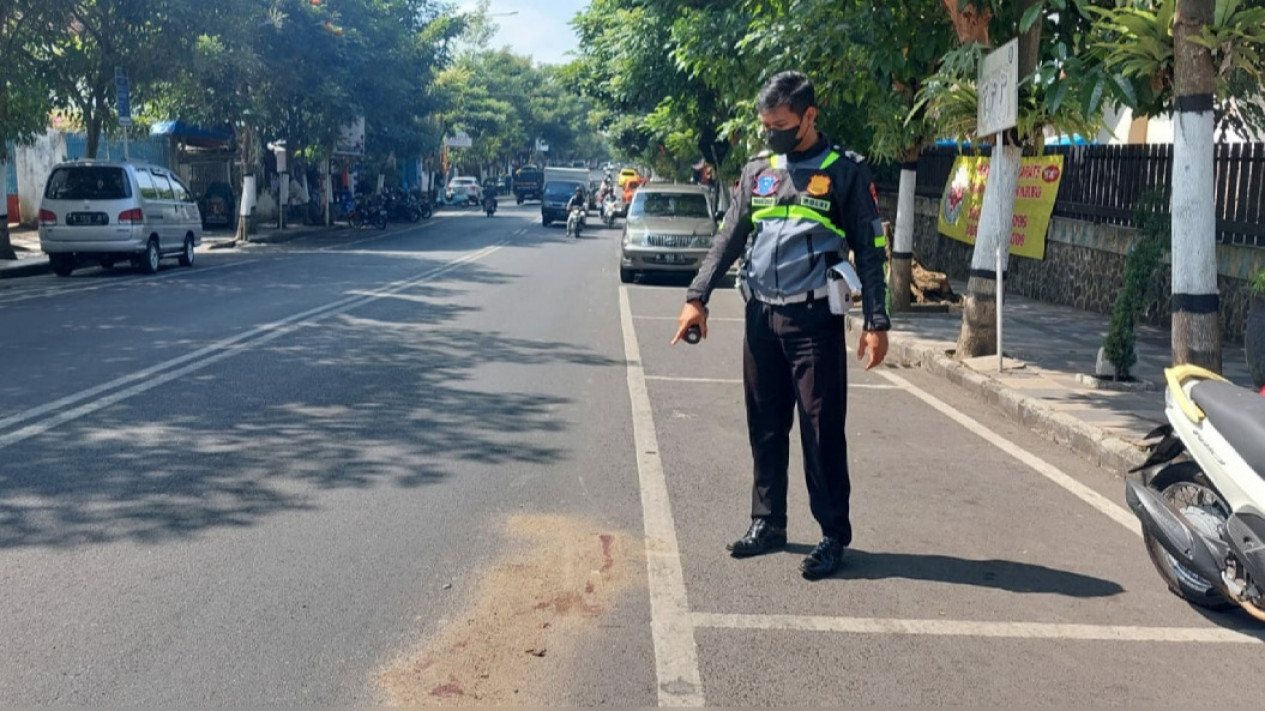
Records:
x=1063, y=89
x=506, y=103
x=1136, y=40
x=80, y=42
x=637, y=63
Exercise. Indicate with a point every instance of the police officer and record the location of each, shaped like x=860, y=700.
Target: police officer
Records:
x=804, y=204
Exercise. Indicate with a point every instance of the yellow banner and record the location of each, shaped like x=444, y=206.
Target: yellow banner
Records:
x=1039, y=180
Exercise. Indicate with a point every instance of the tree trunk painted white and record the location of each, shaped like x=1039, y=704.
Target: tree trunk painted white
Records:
x=979, y=317
x=903, y=240
x=1196, y=304
x=247, y=204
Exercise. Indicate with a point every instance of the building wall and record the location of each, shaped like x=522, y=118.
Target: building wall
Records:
x=1083, y=266
x=33, y=164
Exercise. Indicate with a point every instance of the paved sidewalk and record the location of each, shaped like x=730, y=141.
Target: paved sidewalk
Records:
x=1047, y=346
x=31, y=261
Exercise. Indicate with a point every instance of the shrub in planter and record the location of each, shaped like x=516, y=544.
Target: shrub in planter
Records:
x=1140, y=265
x=1254, y=332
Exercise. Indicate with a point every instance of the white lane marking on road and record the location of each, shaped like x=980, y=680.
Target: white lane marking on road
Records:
x=710, y=319
x=381, y=235
x=967, y=628
x=1101, y=503
x=154, y=375
x=673, y=379
x=738, y=381
x=671, y=628
x=44, y=290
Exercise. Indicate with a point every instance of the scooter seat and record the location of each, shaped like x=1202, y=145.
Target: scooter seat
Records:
x=1239, y=415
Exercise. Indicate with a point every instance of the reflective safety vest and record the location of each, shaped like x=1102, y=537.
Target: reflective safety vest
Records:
x=793, y=210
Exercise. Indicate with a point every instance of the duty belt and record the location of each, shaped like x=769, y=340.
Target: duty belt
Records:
x=813, y=295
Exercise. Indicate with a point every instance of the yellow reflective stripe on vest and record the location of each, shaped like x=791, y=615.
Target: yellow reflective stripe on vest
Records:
x=785, y=212
x=830, y=159
x=775, y=162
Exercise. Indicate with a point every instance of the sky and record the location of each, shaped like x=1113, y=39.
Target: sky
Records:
x=540, y=29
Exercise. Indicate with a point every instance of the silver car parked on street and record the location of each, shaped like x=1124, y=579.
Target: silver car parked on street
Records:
x=108, y=211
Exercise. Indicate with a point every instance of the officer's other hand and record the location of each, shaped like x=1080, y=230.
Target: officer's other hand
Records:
x=875, y=344
x=692, y=314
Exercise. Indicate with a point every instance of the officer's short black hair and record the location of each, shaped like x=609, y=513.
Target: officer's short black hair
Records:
x=791, y=89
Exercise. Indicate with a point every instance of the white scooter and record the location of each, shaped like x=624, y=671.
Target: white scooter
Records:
x=1201, y=495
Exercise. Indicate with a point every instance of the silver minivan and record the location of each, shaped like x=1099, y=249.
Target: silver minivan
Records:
x=669, y=229
x=109, y=211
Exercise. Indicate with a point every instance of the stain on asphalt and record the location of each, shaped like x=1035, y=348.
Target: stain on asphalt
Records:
x=560, y=576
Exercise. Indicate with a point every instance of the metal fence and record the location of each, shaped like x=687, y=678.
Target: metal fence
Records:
x=1104, y=184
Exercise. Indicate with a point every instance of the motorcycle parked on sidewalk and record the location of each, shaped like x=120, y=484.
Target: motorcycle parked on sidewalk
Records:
x=367, y=211
x=402, y=207
x=1201, y=494
x=575, y=222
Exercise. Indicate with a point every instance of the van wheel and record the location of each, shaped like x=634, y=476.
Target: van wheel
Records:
x=151, y=257
x=546, y=221
x=187, y=255
x=62, y=264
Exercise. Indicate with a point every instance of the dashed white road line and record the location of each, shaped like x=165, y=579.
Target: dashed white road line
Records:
x=174, y=368
x=1101, y=503
x=970, y=628
x=671, y=627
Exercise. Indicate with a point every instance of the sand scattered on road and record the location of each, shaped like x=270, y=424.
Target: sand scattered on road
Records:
x=514, y=643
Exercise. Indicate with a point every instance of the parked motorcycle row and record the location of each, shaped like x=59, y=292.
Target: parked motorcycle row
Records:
x=377, y=210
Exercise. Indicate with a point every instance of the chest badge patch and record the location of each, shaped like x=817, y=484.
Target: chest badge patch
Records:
x=766, y=184
x=819, y=185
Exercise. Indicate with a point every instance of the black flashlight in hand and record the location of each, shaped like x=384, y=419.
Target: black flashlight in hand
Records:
x=694, y=333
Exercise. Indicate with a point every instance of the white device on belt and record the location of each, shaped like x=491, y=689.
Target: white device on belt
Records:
x=842, y=282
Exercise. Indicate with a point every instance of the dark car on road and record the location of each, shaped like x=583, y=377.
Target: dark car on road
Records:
x=553, y=206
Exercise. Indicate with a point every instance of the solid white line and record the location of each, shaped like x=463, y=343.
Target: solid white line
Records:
x=671, y=628
x=154, y=376
x=44, y=290
x=710, y=319
x=1104, y=505
x=738, y=381
x=967, y=628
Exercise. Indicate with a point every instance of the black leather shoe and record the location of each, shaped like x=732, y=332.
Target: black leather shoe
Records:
x=760, y=538
x=825, y=559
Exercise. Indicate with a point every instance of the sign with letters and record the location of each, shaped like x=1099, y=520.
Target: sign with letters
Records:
x=999, y=90
x=1039, y=180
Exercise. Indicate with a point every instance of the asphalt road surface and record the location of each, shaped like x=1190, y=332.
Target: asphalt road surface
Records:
x=457, y=462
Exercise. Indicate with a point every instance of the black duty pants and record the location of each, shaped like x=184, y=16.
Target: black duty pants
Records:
x=793, y=356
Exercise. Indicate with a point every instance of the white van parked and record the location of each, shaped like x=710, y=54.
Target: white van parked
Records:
x=108, y=211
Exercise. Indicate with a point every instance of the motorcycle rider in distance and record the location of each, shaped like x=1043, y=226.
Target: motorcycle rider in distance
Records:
x=577, y=201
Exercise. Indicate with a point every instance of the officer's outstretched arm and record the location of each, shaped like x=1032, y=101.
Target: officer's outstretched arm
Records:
x=868, y=243
x=728, y=244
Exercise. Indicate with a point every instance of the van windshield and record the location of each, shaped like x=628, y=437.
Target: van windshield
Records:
x=560, y=191
x=668, y=205
x=83, y=182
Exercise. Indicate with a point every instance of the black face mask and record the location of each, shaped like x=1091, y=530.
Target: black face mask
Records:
x=782, y=140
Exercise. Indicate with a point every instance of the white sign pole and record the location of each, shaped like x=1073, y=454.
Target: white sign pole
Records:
x=1002, y=248
x=999, y=111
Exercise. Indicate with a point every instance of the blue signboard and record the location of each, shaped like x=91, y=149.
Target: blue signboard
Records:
x=122, y=94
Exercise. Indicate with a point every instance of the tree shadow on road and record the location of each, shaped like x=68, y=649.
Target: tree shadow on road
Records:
x=998, y=574
x=389, y=394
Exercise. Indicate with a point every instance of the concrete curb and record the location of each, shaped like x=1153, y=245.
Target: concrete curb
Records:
x=33, y=266
x=1109, y=451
